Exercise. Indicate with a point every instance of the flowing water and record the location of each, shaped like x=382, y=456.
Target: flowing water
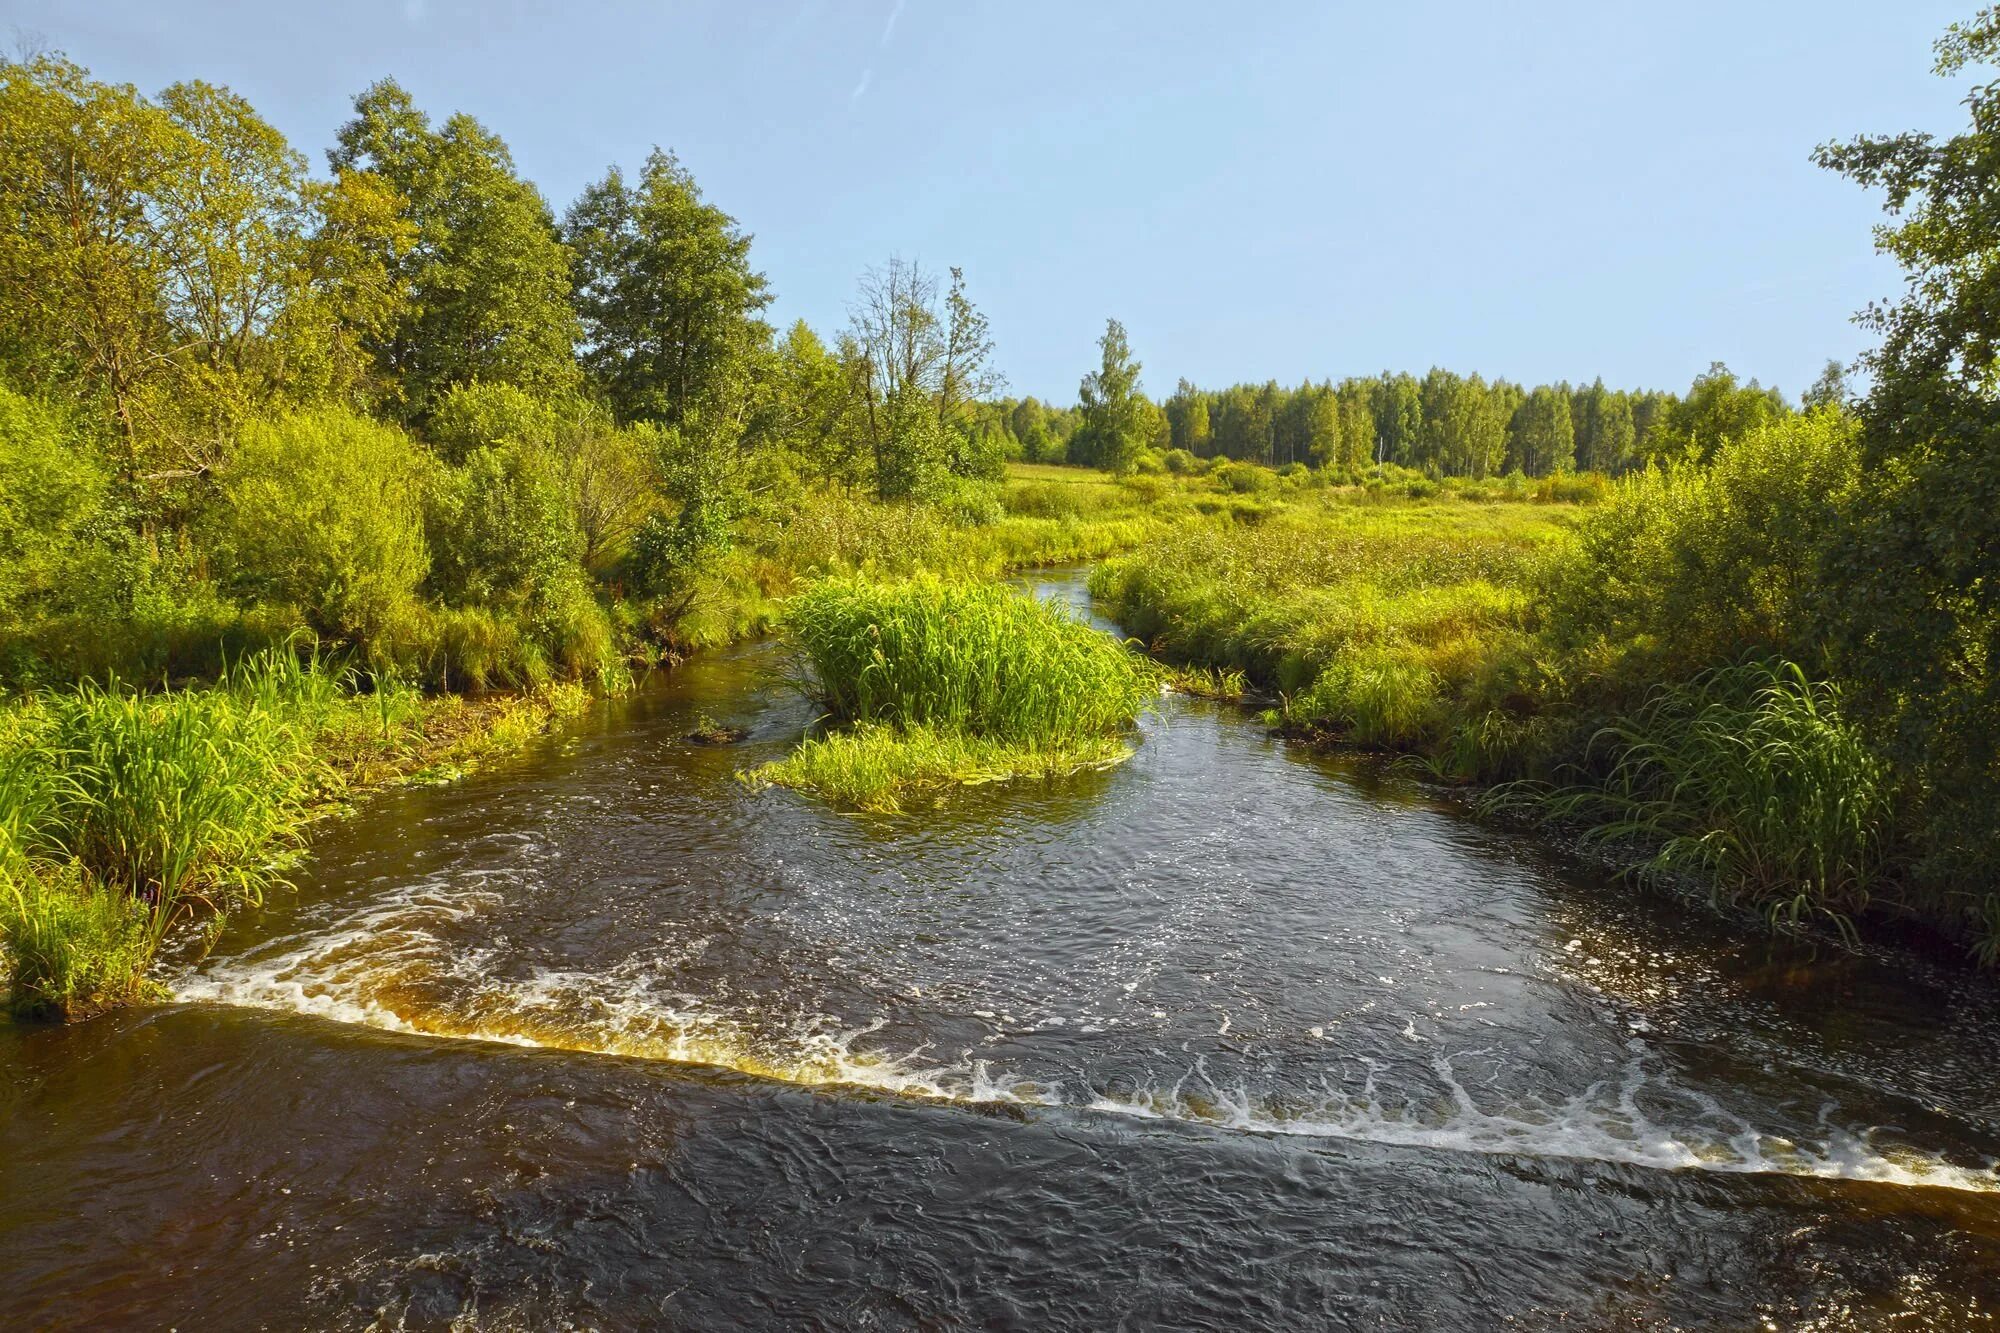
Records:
x=1232, y=1036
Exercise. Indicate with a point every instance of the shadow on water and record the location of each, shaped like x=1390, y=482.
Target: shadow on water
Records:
x=1233, y=1035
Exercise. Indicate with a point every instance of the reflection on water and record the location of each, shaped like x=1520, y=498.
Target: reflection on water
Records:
x=1224, y=1036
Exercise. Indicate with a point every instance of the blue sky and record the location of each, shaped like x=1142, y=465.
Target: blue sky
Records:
x=1541, y=191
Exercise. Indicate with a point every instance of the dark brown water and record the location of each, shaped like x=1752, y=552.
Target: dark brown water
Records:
x=1230, y=1037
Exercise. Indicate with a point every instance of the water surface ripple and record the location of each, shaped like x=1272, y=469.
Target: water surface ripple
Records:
x=1232, y=1036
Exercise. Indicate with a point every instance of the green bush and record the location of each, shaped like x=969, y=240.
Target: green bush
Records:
x=1248, y=478
x=1688, y=566
x=489, y=416
x=54, y=497
x=323, y=511
x=501, y=528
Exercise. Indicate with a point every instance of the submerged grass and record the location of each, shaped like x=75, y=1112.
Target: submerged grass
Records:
x=948, y=683
x=878, y=768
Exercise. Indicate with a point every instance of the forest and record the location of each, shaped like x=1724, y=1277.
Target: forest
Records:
x=328, y=473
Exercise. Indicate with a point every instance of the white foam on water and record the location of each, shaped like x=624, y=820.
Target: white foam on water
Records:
x=386, y=967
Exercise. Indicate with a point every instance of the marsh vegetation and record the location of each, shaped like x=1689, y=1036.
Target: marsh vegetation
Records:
x=1744, y=643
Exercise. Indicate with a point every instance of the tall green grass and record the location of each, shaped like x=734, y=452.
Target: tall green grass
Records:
x=1745, y=779
x=944, y=683
x=128, y=816
x=977, y=659
x=1384, y=626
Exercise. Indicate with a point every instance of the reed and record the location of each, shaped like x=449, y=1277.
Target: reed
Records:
x=964, y=658
x=946, y=684
x=1746, y=779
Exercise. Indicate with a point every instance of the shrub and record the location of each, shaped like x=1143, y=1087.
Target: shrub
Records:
x=501, y=527
x=1689, y=566
x=54, y=495
x=323, y=511
x=489, y=416
x=1247, y=478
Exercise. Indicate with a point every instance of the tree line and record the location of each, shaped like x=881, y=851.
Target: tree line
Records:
x=1444, y=424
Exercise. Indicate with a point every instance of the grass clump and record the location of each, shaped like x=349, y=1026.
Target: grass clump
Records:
x=1746, y=779
x=877, y=768
x=130, y=817
x=978, y=659
x=953, y=682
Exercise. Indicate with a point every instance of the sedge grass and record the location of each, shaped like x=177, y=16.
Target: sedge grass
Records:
x=1747, y=779
x=878, y=768
x=968, y=658
x=945, y=683
x=124, y=814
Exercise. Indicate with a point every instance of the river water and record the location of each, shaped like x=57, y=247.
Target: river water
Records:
x=1233, y=1036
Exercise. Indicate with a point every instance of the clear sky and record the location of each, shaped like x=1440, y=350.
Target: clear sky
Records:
x=1541, y=191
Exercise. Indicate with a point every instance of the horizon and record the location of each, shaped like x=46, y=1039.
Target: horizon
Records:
x=1636, y=221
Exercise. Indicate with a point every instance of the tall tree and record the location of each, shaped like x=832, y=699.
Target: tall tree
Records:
x=667, y=296
x=912, y=353
x=173, y=260
x=1114, y=425
x=1542, y=438
x=1717, y=408
x=1918, y=587
x=486, y=278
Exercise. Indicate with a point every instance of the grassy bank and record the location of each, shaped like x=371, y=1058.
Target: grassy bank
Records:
x=1037, y=516
x=135, y=822
x=1384, y=623
x=1648, y=671
x=940, y=683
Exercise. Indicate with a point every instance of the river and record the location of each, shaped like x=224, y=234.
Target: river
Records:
x=1233, y=1036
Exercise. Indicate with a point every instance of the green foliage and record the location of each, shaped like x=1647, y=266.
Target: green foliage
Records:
x=476, y=416
x=1716, y=410
x=324, y=511
x=500, y=527
x=913, y=452
x=70, y=945
x=1918, y=581
x=487, y=277
x=1745, y=779
x=1114, y=425
x=169, y=264
x=974, y=659
x=878, y=768
x=55, y=504
x=1689, y=565
x=668, y=298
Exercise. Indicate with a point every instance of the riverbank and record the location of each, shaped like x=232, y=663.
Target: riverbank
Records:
x=133, y=824
x=1650, y=674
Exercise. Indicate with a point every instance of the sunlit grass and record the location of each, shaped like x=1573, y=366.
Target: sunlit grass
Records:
x=879, y=768
x=953, y=682
x=127, y=815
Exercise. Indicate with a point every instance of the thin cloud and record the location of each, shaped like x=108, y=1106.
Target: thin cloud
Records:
x=889, y=28
x=861, y=87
